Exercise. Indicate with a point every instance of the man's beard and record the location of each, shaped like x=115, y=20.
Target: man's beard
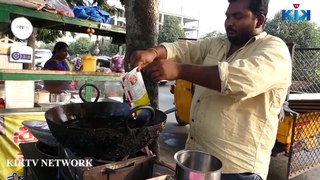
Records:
x=239, y=40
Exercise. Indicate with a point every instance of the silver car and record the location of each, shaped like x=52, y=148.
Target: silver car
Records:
x=41, y=56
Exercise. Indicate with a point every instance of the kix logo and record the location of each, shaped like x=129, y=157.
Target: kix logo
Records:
x=296, y=15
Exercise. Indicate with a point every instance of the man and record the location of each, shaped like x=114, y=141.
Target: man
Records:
x=241, y=84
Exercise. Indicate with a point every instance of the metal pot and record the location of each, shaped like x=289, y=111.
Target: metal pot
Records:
x=104, y=130
x=197, y=165
x=64, y=97
x=40, y=130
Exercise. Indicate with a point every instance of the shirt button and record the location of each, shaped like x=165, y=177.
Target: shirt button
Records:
x=192, y=120
x=198, y=100
x=191, y=138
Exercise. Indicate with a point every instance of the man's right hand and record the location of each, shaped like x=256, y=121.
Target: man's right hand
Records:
x=142, y=58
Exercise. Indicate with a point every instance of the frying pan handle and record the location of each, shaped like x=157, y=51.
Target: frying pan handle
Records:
x=92, y=85
x=134, y=110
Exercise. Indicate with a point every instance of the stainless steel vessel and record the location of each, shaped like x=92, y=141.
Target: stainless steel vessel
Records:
x=191, y=164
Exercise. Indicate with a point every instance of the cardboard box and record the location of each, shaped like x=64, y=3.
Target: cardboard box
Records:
x=19, y=94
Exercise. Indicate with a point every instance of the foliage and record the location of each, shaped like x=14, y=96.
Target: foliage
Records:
x=303, y=33
x=84, y=46
x=76, y=3
x=122, y=2
x=170, y=31
x=212, y=34
x=106, y=47
x=48, y=36
x=80, y=46
x=47, y=46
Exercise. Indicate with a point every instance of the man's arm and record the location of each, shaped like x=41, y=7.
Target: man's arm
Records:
x=161, y=52
x=154, y=61
x=206, y=76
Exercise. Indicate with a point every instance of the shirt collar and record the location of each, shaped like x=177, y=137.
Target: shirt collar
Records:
x=258, y=36
x=251, y=40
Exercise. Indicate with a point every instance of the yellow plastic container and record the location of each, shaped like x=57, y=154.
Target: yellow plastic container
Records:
x=183, y=98
x=89, y=63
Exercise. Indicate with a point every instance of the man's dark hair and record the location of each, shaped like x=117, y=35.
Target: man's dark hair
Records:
x=257, y=7
x=59, y=45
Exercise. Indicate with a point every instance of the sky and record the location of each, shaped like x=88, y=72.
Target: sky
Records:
x=211, y=14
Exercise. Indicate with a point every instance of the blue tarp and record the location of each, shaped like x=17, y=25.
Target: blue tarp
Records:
x=92, y=13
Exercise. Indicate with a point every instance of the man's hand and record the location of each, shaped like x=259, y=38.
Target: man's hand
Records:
x=143, y=57
x=163, y=70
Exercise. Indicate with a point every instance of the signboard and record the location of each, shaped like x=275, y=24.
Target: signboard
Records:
x=105, y=26
x=21, y=28
x=21, y=54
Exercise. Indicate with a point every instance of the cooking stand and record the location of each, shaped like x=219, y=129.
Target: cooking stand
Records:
x=140, y=166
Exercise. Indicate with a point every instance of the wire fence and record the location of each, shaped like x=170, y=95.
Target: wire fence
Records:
x=306, y=70
x=305, y=142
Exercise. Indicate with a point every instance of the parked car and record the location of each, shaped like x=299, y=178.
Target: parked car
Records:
x=41, y=56
x=104, y=61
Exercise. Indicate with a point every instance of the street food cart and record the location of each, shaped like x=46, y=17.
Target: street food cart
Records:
x=12, y=132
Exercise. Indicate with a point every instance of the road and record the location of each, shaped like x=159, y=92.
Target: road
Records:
x=173, y=137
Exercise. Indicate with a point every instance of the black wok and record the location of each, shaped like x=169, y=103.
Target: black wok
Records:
x=104, y=130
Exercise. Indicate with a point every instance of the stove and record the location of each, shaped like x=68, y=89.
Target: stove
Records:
x=31, y=151
x=137, y=166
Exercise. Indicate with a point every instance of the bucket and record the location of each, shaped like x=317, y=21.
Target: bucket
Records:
x=197, y=165
x=89, y=63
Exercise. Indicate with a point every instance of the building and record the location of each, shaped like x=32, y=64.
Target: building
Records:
x=190, y=25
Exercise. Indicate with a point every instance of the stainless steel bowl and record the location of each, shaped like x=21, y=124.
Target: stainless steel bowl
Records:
x=191, y=164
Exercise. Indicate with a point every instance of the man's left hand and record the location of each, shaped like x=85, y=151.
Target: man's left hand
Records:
x=163, y=70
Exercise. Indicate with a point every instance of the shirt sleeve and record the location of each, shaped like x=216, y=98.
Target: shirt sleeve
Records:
x=189, y=52
x=269, y=66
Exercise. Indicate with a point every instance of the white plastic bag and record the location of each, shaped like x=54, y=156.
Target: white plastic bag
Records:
x=61, y=6
x=134, y=88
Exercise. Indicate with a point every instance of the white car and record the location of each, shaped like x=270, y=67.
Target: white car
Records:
x=104, y=61
x=41, y=56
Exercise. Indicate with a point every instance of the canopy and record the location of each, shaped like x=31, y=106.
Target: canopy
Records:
x=42, y=19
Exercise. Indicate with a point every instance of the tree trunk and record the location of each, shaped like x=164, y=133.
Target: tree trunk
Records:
x=32, y=43
x=142, y=28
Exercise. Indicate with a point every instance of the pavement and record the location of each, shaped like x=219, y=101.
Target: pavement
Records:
x=173, y=137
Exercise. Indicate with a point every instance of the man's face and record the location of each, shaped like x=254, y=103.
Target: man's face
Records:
x=240, y=23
